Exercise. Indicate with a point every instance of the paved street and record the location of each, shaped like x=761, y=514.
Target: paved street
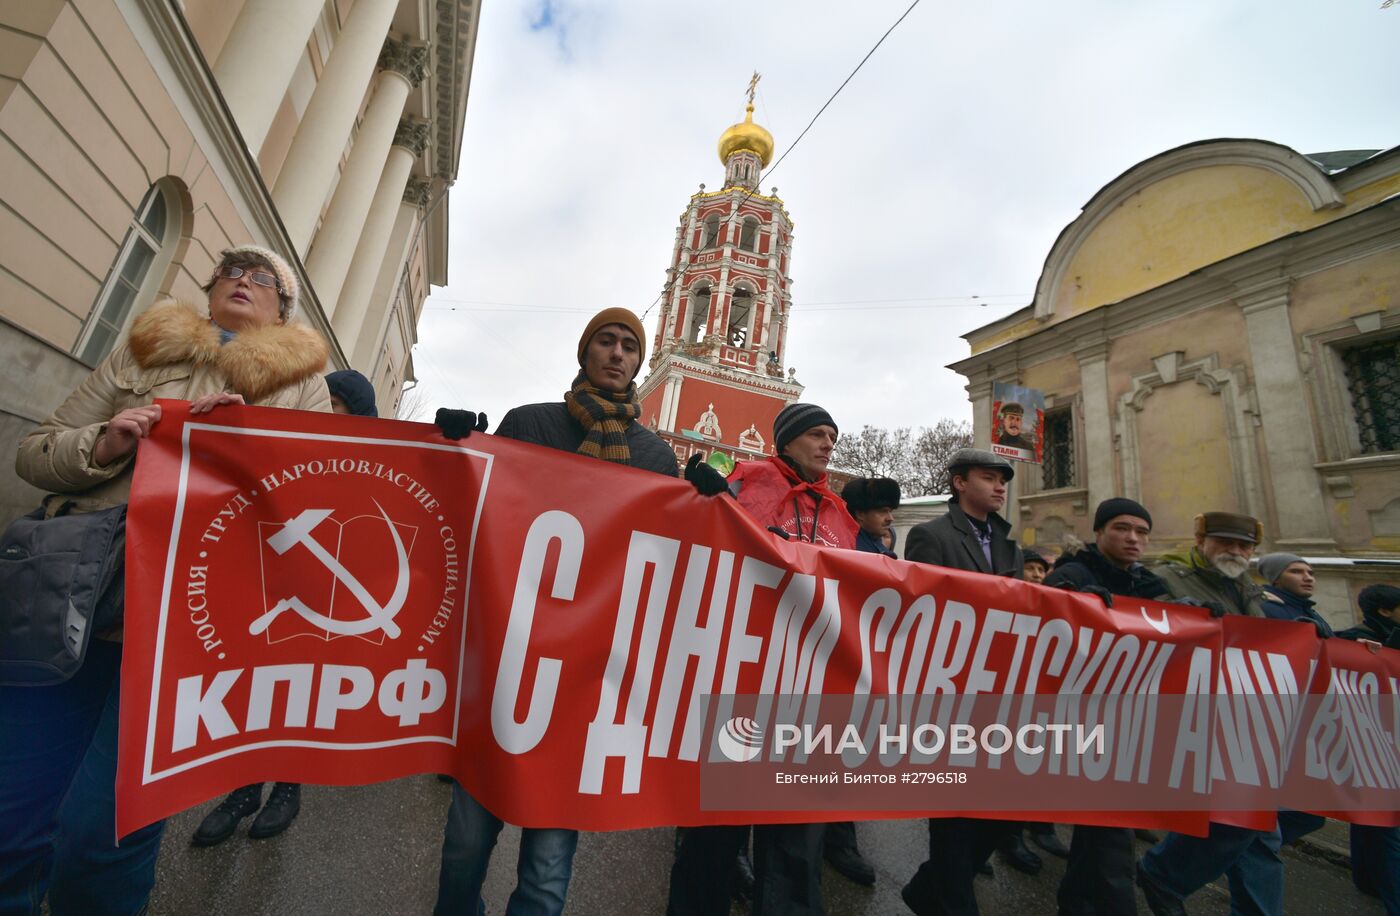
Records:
x=374, y=849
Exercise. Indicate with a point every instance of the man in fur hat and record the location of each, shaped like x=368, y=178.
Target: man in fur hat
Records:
x=597, y=419
x=872, y=501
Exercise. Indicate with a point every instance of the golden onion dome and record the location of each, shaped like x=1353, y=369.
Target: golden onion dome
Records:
x=746, y=136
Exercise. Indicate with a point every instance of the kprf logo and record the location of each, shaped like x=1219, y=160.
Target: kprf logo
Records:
x=331, y=609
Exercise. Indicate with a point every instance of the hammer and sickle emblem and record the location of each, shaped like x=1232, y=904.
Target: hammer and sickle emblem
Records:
x=298, y=531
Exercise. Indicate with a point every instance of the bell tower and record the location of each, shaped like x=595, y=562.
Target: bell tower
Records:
x=717, y=372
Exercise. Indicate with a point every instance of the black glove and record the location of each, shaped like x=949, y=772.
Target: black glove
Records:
x=459, y=424
x=1321, y=628
x=780, y=532
x=1215, y=607
x=1098, y=591
x=705, y=479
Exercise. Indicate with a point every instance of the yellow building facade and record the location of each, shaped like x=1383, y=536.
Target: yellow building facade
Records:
x=1219, y=329
x=139, y=138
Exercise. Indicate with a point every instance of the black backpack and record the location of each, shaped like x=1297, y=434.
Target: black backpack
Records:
x=61, y=580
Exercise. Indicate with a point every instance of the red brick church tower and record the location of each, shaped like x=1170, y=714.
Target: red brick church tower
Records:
x=717, y=370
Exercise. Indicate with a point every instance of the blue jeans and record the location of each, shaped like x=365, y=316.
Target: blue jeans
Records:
x=542, y=873
x=1375, y=863
x=1184, y=864
x=58, y=774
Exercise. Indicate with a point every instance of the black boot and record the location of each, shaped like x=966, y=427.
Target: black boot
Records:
x=1048, y=841
x=218, y=825
x=282, y=805
x=743, y=875
x=843, y=855
x=1019, y=857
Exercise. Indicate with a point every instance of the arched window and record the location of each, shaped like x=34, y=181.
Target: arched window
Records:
x=711, y=231
x=132, y=282
x=748, y=236
x=740, y=311
x=699, y=314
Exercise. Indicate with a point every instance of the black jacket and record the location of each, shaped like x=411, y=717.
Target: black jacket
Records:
x=1090, y=567
x=1284, y=605
x=872, y=545
x=951, y=541
x=1375, y=627
x=551, y=425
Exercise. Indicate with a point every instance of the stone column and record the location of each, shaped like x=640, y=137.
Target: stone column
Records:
x=407, y=225
x=321, y=136
x=258, y=60
x=334, y=250
x=1283, y=408
x=1098, y=423
x=409, y=142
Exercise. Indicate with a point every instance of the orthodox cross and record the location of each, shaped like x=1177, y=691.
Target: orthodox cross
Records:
x=753, y=84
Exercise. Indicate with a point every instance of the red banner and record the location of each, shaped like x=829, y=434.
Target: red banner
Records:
x=336, y=600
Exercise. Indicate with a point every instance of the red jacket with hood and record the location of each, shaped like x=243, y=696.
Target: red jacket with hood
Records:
x=773, y=493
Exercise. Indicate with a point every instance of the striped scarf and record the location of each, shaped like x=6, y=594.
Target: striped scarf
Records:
x=604, y=416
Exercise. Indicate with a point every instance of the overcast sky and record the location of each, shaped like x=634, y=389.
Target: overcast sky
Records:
x=943, y=171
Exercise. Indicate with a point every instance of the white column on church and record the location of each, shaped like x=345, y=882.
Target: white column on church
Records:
x=309, y=169
x=1283, y=399
x=259, y=58
x=386, y=286
x=334, y=248
x=363, y=268
x=1098, y=477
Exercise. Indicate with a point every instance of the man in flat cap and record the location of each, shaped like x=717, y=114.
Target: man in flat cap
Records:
x=971, y=536
x=596, y=419
x=1215, y=574
x=1013, y=416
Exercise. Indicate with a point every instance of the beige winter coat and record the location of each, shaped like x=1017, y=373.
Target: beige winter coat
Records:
x=173, y=352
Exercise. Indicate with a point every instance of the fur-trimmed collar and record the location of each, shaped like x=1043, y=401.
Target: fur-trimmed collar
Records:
x=256, y=363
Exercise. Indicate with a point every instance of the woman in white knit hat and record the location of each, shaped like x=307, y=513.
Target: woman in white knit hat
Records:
x=58, y=742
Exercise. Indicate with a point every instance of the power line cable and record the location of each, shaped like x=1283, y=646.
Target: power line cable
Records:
x=768, y=174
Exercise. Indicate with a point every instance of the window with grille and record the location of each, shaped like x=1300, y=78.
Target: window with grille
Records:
x=1057, y=460
x=1373, y=381
x=122, y=294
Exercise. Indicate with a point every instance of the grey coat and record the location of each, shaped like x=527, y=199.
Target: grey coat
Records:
x=551, y=425
x=951, y=541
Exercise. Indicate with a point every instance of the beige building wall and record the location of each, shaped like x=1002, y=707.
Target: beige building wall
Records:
x=119, y=137
x=1194, y=321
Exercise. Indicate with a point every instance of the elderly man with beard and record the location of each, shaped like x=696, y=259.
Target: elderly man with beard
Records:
x=1215, y=574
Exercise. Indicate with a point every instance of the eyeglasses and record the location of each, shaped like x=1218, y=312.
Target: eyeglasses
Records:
x=260, y=277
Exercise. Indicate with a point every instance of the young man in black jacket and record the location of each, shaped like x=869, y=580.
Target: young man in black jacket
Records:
x=1375, y=851
x=598, y=419
x=1100, y=874
x=972, y=536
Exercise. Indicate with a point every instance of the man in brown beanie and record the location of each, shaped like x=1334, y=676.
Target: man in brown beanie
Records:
x=598, y=419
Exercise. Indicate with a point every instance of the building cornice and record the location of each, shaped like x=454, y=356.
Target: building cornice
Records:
x=1383, y=165
x=672, y=365
x=1304, y=174
x=1251, y=277
x=160, y=27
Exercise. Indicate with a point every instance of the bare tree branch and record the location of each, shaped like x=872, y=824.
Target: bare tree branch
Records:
x=413, y=406
x=918, y=461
